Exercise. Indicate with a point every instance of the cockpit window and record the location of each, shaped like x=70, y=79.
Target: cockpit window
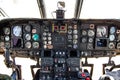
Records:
x=100, y=9
x=20, y=8
x=51, y=6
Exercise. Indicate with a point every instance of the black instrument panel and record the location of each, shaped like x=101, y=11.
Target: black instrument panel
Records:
x=89, y=37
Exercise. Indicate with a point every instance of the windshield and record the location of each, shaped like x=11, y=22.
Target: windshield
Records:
x=100, y=9
x=91, y=9
x=20, y=8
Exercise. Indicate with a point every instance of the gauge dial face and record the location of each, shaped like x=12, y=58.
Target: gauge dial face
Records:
x=7, y=38
x=91, y=33
x=112, y=30
x=27, y=36
x=102, y=31
x=84, y=33
x=112, y=37
x=7, y=31
x=35, y=45
x=17, y=31
x=28, y=28
x=28, y=45
x=35, y=37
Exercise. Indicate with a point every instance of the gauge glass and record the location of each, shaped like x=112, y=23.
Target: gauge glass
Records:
x=118, y=46
x=75, y=31
x=75, y=41
x=84, y=40
x=91, y=33
x=44, y=38
x=84, y=33
x=112, y=30
x=45, y=42
x=49, y=42
x=28, y=28
x=90, y=40
x=111, y=45
x=102, y=31
x=49, y=38
x=28, y=44
x=49, y=34
x=7, y=45
x=17, y=31
x=75, y=36
x=112, y=37
x=27, y=36
x=7, y=38
x=35, y=37
x=69, y=31
x=34, y=30
x=69, y=36
x=44, y=34
x=35, y=45
x=45, y=46
x=7, y=31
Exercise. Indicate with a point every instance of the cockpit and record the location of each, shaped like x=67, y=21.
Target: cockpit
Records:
x=59, y=40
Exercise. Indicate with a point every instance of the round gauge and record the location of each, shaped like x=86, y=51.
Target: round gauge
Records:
x=45, y=42
x=84, y=40
x=90, y=40
x=112, y=30
x=101, y=31
x=118, y=45
x=84, y=33
x=28, y=28
x=69, y=27
x=44, y=38
x=49, y=38
x=7, y=38
x=69, y=36
x=75, y=41
x=44, y=34
x=45, y=46
x=75, y=26
x=49, y=42
x=90, y=46
x=7, y=31
x=28, y=45
x=17, y=31
x=34, y=30
x=69, y=31
x=75, y=36
x=27, y=36
x=35, y=44
x=91, y=33
x=111, y=45
x=112, y=37
x=7, y=45
x=35, y=37
x=75, y=46
x=49, y=34
x=75, y=31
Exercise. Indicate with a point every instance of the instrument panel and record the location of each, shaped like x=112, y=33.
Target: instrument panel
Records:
x=92, y=38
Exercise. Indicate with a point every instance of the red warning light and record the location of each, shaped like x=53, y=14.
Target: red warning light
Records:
x=62, y=28
x=83, y=75
x=56, y=27
x=87, y=78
